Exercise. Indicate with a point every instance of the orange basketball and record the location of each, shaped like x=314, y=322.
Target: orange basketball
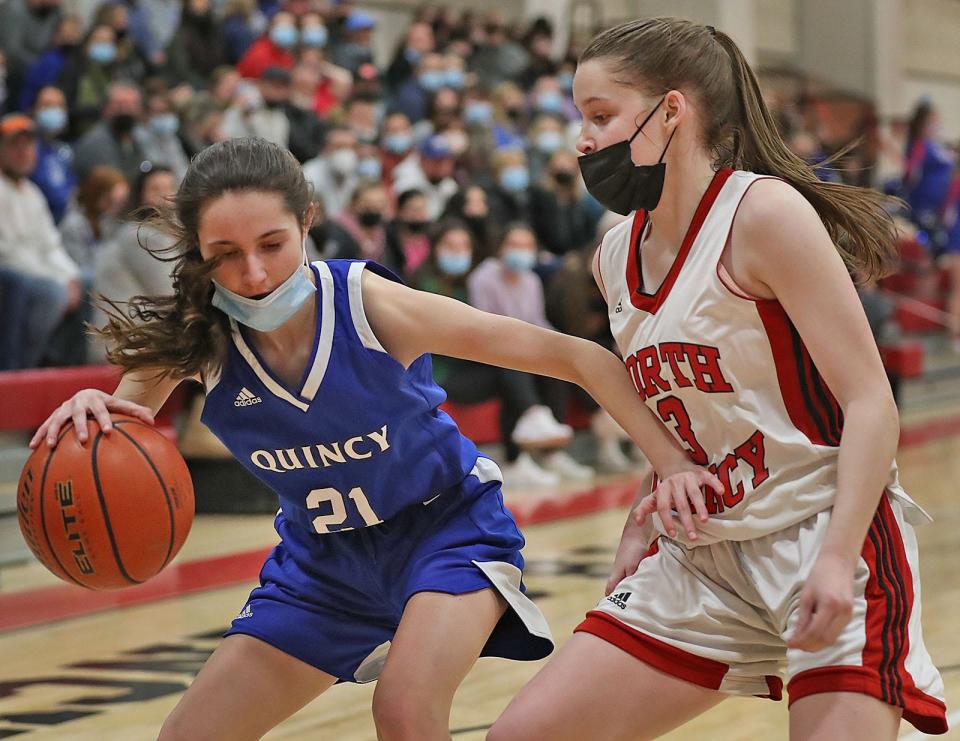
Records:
x=110, y=513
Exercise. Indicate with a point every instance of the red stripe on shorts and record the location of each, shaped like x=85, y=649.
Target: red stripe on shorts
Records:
x=889, y=596
x=668, y=659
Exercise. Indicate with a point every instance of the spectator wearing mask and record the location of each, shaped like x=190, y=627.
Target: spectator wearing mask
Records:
x=416, y=42
x=431, y=173
x=273, y=49
x=237, y=29
x=563, y=216
x=54, y=173
x=39, y=283
x=123, y=267
x=413, y=97
x=408, y=246
x=130, y=64
x=334, y=172
x=396, y=142
x=471, y=208
x=197, y=47
x=547, y=136
x=508, y=195
x=539, y=45
x=26, y=27
x=94, y=218
x=509, y=117
x=269, y=118
x=507, y=285
x=49, y=66
x=355, y=50
x=86, y=80
x=497, y=57
x=358, y=230
x=158, y=136
x=111, y=142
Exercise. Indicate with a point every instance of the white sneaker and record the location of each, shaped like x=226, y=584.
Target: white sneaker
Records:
x=538, y=428
x=559, y=461
x=524, y=473
x=610, y=457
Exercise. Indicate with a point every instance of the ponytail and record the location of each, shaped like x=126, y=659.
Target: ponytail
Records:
x=856, y=218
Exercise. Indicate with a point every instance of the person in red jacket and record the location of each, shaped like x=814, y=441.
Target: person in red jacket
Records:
x=273, y=49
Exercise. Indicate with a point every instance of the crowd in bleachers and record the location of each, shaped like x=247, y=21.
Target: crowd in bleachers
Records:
x=452, y=163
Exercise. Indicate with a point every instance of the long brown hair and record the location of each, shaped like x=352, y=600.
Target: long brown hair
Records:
x=183, y=334
x=93, y=189
x=661, y=54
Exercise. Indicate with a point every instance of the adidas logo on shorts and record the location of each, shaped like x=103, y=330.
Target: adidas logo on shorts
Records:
x=620, y=600
x=246, y=612
x=246, y=398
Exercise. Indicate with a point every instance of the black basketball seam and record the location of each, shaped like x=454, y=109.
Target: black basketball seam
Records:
x=43, y=513
x=105, y=513
x=166, y=494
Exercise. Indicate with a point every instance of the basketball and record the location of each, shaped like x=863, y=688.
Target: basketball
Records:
x=108, y=514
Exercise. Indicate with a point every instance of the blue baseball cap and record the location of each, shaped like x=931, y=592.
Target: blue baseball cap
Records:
x=359, y=21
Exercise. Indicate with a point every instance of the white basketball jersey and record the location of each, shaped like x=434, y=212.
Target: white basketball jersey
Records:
x=727, y=374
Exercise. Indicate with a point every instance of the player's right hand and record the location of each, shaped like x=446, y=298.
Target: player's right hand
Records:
x=677, y=493
x=87, y=403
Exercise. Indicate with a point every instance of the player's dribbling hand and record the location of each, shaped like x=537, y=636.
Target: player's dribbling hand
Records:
x=83, y=404
x=826, y=604
x=677, y=493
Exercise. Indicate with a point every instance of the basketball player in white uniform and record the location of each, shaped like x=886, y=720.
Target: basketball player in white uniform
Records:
x=741, y=329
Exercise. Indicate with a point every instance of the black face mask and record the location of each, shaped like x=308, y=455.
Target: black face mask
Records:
x=123, y=123
x=416, y=227
x=369, y=218
x=563, y=177
x=619, y=185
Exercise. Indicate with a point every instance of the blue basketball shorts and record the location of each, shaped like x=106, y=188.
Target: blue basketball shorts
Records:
x=334, y=601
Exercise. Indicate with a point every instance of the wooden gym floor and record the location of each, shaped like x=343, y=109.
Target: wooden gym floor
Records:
x=115, y=673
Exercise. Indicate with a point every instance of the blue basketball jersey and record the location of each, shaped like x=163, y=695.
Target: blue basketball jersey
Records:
x=359, y=439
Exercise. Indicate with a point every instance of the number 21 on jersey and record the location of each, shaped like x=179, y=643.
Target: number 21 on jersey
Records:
x=334, y=501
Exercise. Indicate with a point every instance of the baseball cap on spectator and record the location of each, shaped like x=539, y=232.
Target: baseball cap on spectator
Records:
x=16, y=123
x=359, y=21
x=436, y=147
x=274, y=73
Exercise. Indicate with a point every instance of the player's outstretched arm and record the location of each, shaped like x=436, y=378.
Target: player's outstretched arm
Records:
x=409, y=323
x=140, y=394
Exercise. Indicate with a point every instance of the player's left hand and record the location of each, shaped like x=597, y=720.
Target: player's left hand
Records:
x=826, y=604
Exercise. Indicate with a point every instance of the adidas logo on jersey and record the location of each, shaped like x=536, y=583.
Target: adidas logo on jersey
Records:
x=620, y=600
x=246, y=398
x=246, y=612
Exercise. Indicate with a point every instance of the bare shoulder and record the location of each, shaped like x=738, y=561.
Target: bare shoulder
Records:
x=774, y=213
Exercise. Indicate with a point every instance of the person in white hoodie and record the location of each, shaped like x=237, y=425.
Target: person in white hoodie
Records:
x=39, y=282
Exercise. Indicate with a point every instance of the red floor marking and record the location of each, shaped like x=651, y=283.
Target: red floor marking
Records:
x=32, y=607
x=927, y=431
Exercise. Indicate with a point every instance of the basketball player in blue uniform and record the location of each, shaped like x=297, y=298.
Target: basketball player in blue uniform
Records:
x=397, y=557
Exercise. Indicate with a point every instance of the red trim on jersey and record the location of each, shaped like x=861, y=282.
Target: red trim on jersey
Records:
x=889, y=596
x=811, y=406
x=662, y=656
x=651, y=302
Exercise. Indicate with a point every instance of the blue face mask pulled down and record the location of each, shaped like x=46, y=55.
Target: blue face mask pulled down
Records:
x=267, y=313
